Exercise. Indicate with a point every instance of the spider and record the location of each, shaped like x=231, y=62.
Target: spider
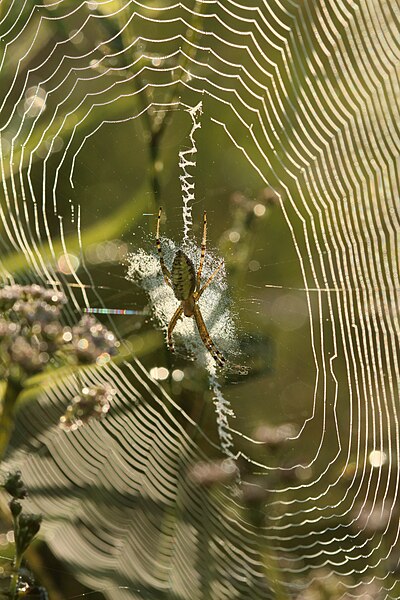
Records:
x=187, y=288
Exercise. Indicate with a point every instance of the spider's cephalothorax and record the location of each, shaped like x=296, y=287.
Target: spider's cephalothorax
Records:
x=187, y=288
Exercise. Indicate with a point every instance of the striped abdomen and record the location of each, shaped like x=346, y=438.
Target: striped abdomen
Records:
x=183, y=276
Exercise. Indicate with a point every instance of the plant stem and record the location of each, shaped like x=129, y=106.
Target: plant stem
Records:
x=154, y=167
x=12, y=592
x=10, y=397
x=17, y=565
x=273, y=575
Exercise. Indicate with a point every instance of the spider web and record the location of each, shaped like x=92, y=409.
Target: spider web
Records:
x=299, y=99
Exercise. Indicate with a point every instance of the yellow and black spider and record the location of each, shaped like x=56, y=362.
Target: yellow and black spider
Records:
x=187, y=288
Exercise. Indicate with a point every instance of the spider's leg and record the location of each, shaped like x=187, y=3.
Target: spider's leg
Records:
x=209, y=280
x=171, y=326
x=165, y=271
x=206, y=338
x=203, y=251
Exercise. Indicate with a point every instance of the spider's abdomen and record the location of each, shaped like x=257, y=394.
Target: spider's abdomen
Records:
x=183, y=276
